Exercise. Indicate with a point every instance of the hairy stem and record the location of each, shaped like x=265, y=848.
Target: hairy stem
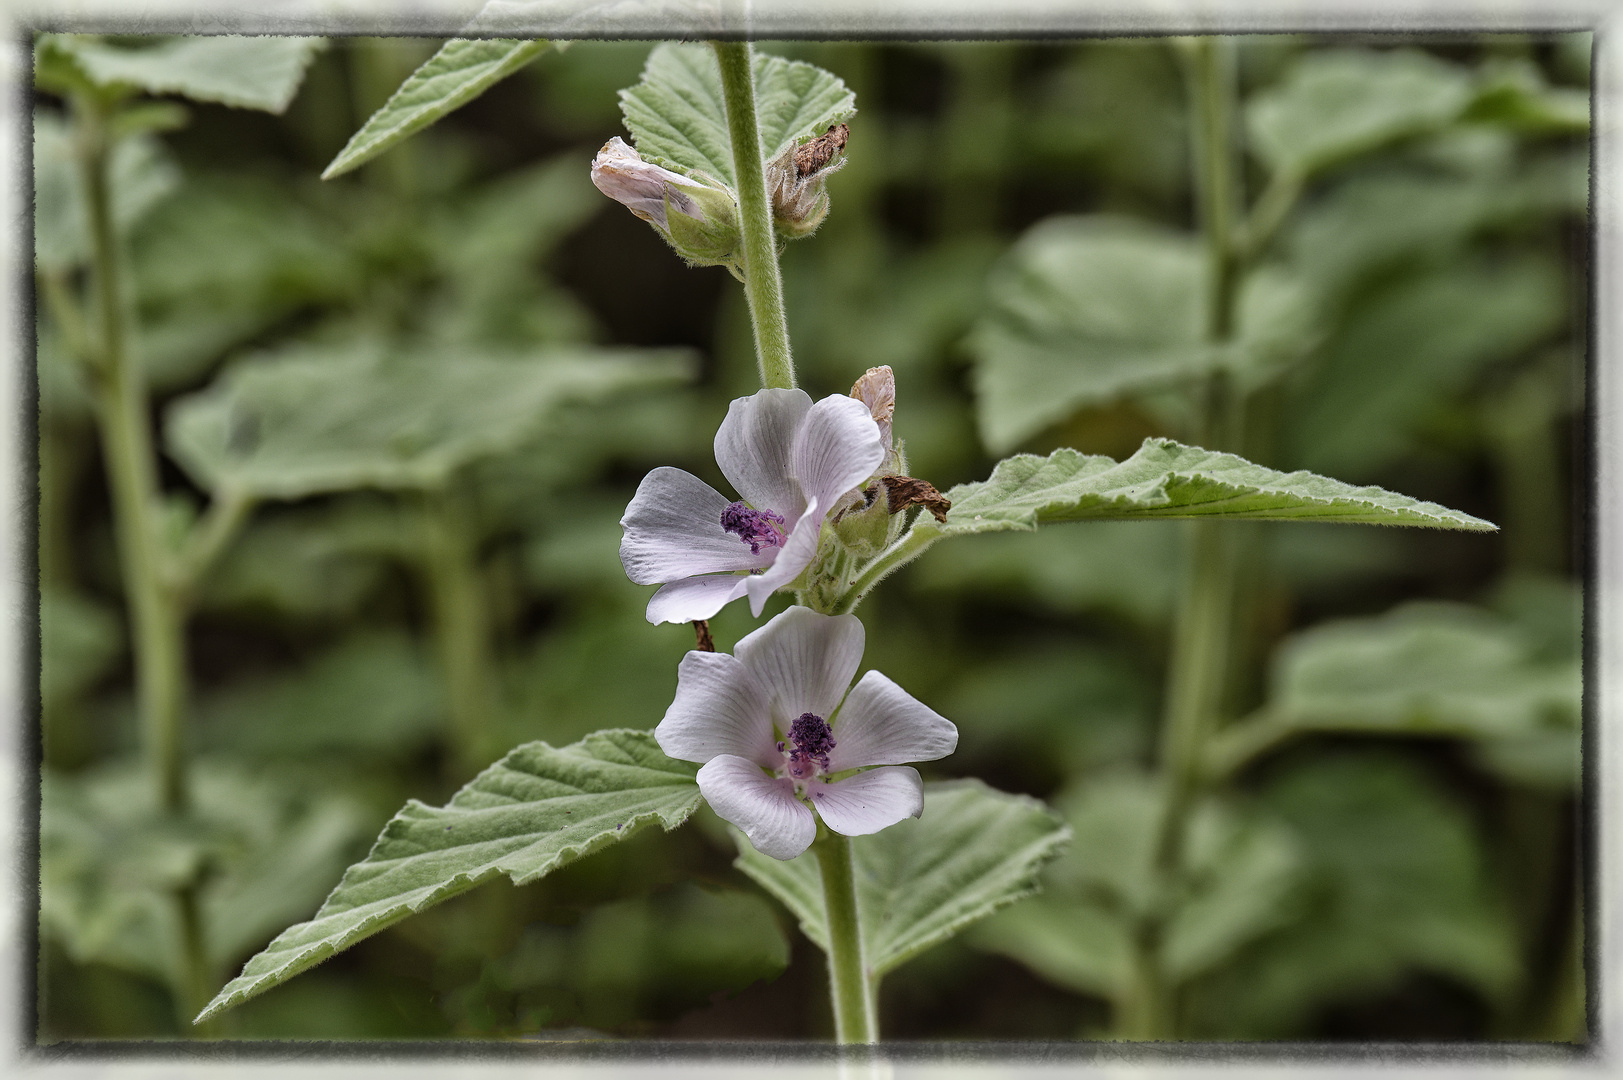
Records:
x=912, y=544
x=462, y=625
x=122, y=414
x=763, y=283
x=855, y=1017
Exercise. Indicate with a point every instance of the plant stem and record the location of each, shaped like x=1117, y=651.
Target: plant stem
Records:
x=855, y=1017
x=763, y=283
x=1198, y=668
x=912, y=544
x=462, y=624
x=122, y=412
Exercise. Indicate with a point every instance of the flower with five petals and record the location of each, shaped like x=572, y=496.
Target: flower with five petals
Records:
x=775, y=727
x=791, y=461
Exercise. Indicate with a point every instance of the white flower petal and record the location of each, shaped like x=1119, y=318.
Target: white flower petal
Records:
x=838, y=447
x=792, y=558
x=868, y=801
x=803, y=661
x=718, y=709
x=694, y=598
x=882, y=724
x=673, y=530
x=763, y=806
x=754, y=448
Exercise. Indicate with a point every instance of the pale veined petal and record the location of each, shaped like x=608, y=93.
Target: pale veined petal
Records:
x=792, y=558
x=673, y=530
x=694, y=598
x=882, y=724
x=868, y=801
x=763, y=806
x=754, y=446
x=837, y=448
x=718, y=709
x=803, y=661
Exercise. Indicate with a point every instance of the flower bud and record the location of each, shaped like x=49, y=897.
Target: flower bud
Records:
x=697, y=218
x=795, y=178
x=877, y=390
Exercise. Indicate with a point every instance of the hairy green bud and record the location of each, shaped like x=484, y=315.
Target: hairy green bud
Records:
x=696, y=215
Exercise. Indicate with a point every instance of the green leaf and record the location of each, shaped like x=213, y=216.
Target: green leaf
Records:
x=259, y=849
x=1336, y=104
x=1166, y=479
x=248, y=72
x=1242, y=874
x=142, y=174
x=79, y=640
x=537, y=809
x=1396, y=882
x=374, y=692
x=1423, y=669
x=458, y=73
x=309, y=563
x=1412, y=344
x=1514, y=93
x=920, y=882
x=1085, y=310
x=677, y=117
x=322, y=419
x=686, y=944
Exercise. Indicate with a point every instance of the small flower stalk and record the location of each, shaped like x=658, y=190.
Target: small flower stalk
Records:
x=784, y=739
x=795, y=182
x=697, y=216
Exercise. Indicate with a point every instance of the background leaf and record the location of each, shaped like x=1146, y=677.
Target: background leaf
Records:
x=248, y=72
x=317, y=420
x=141, y=175
x=1085, y=310
x=458, y=73
x=1241, y=875
x=677, y=117
x=537, y=809
x=1338, y=103
x=258, y=847
x=1396, y=884
x=919, y=882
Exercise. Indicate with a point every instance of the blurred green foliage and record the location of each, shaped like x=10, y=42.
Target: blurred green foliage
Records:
x=1392, y=851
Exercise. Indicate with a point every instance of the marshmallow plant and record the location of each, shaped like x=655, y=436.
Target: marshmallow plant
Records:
x=807, y=758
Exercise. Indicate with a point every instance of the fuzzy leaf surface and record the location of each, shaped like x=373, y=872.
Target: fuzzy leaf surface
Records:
x=315, y=420
x=677, y=116
x=461, y=71
x=1166, y=479
x=537, y=809
x=248, y=72
x=974, y=850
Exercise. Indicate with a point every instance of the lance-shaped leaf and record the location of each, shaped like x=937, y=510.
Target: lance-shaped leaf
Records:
x=452, y=77
x=1085, y=310
x=1337, y=104
x=248, y=72
x=1166, y=479
x=677, y=116
x=537, y=809
x=319, y=420
x=974, y=850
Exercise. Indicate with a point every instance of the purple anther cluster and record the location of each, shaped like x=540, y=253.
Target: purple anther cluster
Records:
x=754, y=527
x=811, y=740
